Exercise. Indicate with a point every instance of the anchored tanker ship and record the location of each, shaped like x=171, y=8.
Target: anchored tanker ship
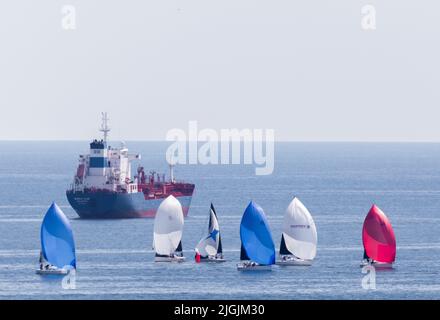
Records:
x=103, y=187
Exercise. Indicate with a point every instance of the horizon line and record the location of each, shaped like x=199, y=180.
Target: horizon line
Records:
x=219, y=140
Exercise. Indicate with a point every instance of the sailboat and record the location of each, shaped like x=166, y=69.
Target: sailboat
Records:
x=378, y=239
x=57, y=255
x=299, y=238
x=209, y=248
x=168, y=227
x=257, y=247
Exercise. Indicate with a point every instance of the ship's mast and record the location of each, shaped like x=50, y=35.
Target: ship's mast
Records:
x=172, y=173
x=171, y=165
x=104, y=126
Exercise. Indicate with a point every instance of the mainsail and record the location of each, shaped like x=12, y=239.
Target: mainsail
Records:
x=179, y=250
x=378, y=237
x=168, y=226
x=211, y=244
x=243, y=254
x=256, y=238
x=57, y=244
x=283, y=248
x=299, y=236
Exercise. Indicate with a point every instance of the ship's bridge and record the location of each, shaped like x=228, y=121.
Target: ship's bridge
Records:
x=105, y=167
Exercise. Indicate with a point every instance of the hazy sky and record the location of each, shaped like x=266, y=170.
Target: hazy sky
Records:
x=303, y=68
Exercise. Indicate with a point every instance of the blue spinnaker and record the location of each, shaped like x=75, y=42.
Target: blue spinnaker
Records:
x=255, y=235
x=57, y=239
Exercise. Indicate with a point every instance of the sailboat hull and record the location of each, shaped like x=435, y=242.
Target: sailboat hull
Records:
x=249, y=267
x=377, y=265
x=169, y=259
x=294, y=262
x=52, y=272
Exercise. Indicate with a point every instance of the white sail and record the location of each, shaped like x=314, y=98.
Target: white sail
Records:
x=299, y=231
x=208, y=246
x=168, y=226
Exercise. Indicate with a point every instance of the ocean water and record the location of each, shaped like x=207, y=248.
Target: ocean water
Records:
x=338, y=182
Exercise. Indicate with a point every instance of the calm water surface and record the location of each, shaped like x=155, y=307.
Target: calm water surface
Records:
x=338, y=182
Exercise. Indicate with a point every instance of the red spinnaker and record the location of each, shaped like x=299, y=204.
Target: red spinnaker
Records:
x=378, y=236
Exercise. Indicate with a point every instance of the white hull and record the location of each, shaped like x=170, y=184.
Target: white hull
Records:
x=294, y=262
x=52, y=272
x=169, y=259
x=377, y=265
x=253, y=267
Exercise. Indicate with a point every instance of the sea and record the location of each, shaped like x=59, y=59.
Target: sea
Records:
x=337, y=182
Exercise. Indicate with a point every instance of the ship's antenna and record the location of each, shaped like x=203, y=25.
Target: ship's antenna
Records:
x=104, y=126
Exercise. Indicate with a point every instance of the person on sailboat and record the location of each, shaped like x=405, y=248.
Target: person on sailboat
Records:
x=367, y=259
x=44, y=265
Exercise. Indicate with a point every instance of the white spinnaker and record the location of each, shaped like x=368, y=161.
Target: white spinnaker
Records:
x=168, y=226
x=299, y=231
x=208, y=246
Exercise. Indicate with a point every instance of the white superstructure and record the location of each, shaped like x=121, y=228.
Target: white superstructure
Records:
x=106, y=168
